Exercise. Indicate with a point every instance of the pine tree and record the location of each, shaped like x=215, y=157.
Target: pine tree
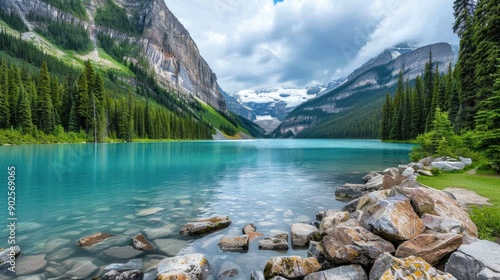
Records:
x=419, y=122
x=407, y=113
x=13, y=93
x=416, y=111
x=463, y=9
x=428, y=90
x=466, y=68
x=454, y=103
x=398, y=105
x=385, y=125
x=25, y=121
x=73, y=124
x=83, y=103
x=45, y=107
x=4, y=98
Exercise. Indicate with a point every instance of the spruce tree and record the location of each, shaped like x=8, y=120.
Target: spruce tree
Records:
x=83, y=110
x=454, y=103
x=13, y=93
x=45, y=107
x=407, y=113
x=466, y=68
x=396, y=132
x=416, y=112
x=428, y=90
x=4, y=98
x=463, y=9
x=73, y=123
x=385, y=125
x=25, y=121
x=419, y=93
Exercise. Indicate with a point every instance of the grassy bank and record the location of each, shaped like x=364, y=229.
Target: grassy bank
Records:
x=485, y=184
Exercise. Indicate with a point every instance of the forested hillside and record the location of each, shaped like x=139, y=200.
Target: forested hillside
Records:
x=469, y=95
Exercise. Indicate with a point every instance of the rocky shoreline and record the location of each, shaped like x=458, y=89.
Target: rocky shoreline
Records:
x=393, y=228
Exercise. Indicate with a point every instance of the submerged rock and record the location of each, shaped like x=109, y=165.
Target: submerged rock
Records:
x=194, y=266
x=124, y=253
x=346, y=272
x=135, y=264
x=93, y=239
x=205, y=225
x=475, y=261
x=257, y=275
x=142, y=243
x=26, y=265
x=234, y=243
x=389, y=267
x=290, y=267
x=430, y=247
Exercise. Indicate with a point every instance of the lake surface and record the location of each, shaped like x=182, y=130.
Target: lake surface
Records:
x=65, y=192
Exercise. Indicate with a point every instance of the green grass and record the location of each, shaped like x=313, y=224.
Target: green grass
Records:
x=218, y=120
x=122, y=69
x=487, y=184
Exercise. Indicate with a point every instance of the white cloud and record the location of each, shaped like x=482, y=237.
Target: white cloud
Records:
x=254, y=43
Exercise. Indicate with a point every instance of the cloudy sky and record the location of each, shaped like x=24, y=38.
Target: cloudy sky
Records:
x=263, y=43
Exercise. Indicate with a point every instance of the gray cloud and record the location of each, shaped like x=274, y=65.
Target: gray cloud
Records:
x=255, y=43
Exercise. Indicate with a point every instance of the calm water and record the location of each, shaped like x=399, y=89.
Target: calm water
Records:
x=65, y=192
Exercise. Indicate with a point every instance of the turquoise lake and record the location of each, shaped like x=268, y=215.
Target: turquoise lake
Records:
x=65, y=192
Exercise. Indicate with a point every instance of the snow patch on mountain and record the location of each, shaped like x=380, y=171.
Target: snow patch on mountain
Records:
x=293, y=97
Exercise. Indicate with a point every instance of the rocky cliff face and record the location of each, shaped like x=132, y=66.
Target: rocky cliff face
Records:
x=165, y=44
x=378, y=74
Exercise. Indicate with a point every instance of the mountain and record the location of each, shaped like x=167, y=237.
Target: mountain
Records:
x=353, y=108
x=161, y=43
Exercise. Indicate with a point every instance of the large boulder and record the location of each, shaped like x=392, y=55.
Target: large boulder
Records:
x=448, y=165
x=349, y=191
x=350, y=243
x=370, y=176
x=372, y=198
x=346, y=272
x=388, y=182
x=234, y=243
x=276, y=242
x=329, y=222
x=475, y=261
x=195, y=266
x=301, y=233
x=430, y=201
x=325, y=213
x=442, y=224
x=92, y=239
x=290, y=267
x=430, y=247
x=466, y=161
x=393, y=219
x=392, y=171
x=374, y=184
x=389, y=267
x=205, y=225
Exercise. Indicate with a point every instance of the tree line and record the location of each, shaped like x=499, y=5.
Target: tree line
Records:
x=81, y=104
x=468, y=95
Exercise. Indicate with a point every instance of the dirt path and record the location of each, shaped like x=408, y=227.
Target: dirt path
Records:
x=466, y=198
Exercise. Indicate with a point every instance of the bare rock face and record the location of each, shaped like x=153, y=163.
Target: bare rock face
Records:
x=430, y=247
x=350, y=243
x=290, y=267
x=393, y=218
x=435, y=202
x=389, y=267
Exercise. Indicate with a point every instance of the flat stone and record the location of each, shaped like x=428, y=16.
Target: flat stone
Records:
x=475, y=261
x=301, y=232
x=135, y=264
x=26, y=265
x=290, y=267
x=346, y=272
x=124, y=253
x=56, y=244
x=82, y=269
x=93, y=239
x=425, y=173
x=194, y=265
x=389, y=267
x=234, y=243
x=276, y=242
x=448, y=165
x=149, y=211
x=142, y=243
x=160, y=232
x=205, y=225
x=170, y=246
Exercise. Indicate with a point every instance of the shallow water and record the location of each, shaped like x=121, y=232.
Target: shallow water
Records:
x=65, y=192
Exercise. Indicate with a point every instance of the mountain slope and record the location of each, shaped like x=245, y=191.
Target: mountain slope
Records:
x=352, y=110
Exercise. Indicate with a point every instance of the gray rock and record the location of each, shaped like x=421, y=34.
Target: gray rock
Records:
x=351, y=205
x=228, y=270
x=149, y=275
x=170, y=246
x=347, y=272
x=110, y=275
x=316, y=250
x=329, y=223
x=409, y=173
x=276, y=242
x=431, y=247
x=135, y=264
x=325, y=213
x=476, y=261
x=349, y=191
x=300, y=233
x=416, y=166
x=374, y=184
x=123, y=253
x=205, y=225
x=442, y=224
x=257, y=275
x=249, y=228
x=425, y=173
x=370, y=176
x=130, y=275
x=26, y=265
x=194, y=265
x=83, y=269
x=426, y=161
x=402, y=168
x=394, y=172
x=448, y=165
x=7, y=254
x=234, y=243
x=290, y=267
x=466, y=161
x=393, y=268
x=278, y=278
